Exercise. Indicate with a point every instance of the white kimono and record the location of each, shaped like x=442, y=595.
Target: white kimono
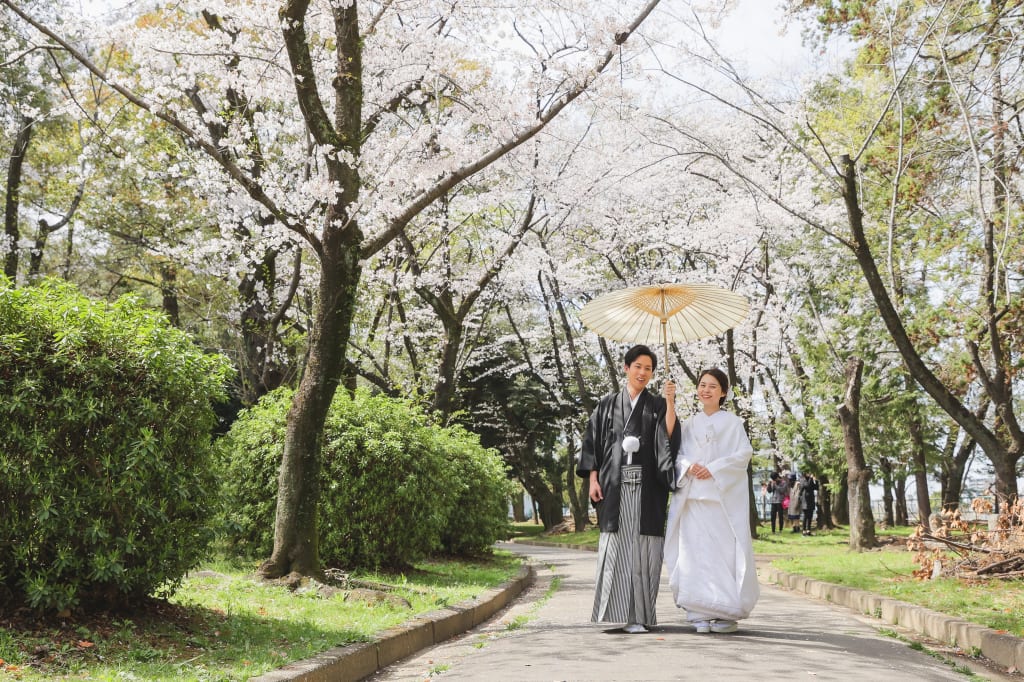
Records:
x=708, y=549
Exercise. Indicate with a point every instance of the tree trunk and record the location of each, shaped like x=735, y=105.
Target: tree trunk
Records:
x=579, y=502
x=900, y=491
x=547, y=502
x=886, y=466
x=518, y=507
x=862, y=520
x=261, y=370
x=13, y=197
x=296, y=531
x=920, y=462
x=839, y=507
x=444, y=388
x=954, y=467
x=169, y=293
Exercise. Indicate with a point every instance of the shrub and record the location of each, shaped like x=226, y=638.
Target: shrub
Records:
x=105, y=461
x=387, y=487
x=394, y=486
x=479, y=516
x=251, y=453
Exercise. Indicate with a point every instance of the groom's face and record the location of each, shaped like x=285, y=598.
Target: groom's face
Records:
x=638, y=374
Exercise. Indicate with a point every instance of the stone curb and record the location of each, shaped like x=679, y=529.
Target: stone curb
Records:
x=1000, y=648
x=356, y=661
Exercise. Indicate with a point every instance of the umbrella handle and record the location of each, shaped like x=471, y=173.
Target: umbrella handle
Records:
x=664, y=342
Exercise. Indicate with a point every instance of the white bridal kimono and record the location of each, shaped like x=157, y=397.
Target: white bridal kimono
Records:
x=708, y=550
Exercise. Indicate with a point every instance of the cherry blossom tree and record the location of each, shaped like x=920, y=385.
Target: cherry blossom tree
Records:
x=328, y=123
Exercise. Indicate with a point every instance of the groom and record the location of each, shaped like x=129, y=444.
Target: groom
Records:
x=627, y=454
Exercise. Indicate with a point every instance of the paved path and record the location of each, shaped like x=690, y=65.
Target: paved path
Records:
x=546, y=635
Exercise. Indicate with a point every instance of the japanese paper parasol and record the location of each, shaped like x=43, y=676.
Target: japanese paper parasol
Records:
x=665, y=313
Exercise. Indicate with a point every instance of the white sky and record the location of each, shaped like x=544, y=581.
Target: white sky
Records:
x=754, y=32
x=757, y=35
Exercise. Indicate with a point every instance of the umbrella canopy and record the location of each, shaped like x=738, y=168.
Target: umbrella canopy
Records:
x=665, y=313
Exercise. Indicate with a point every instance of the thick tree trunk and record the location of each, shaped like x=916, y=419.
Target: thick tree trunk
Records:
x=13, y=196
x=862, y=520
x=444, y=388
x=954, y=467
x=169, y=293
x=518, y=507
x=296, y=531
x=547, y=502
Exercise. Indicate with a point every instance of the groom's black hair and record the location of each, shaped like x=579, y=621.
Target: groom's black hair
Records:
x=636, y=351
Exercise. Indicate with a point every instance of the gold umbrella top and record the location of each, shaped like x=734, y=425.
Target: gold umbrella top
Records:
x=665, y=313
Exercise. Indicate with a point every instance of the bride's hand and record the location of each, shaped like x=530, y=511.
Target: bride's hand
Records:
x=700, y=472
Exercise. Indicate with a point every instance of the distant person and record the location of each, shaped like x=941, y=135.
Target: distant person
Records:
x=708, y=549
x=808, y=490
x=627, y=456
x=795, y=503
x=778, y=488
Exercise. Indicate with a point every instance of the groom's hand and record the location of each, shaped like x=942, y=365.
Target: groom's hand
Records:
x=669, y=391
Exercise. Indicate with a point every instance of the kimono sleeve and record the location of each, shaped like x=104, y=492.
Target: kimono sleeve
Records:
x=666, y=447
x=593, y=446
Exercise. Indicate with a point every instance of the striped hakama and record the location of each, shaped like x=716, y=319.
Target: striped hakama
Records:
x=628, y=563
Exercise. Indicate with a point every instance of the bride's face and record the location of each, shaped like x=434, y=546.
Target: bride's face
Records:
x=709, y=393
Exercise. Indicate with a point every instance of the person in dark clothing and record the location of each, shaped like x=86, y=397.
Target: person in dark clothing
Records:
x=808, y=489
x=628, y=454
x=778, y=488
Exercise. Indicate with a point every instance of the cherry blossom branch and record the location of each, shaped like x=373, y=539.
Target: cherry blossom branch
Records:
x=253, y=188
x=453, y=178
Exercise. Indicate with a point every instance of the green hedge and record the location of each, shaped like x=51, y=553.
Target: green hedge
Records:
x=106, y=467
x=394, y=486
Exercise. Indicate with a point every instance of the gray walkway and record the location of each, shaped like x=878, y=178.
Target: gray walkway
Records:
x=546, y=635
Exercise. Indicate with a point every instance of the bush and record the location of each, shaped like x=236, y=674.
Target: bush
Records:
x=394, y=486
x=479, y=516
x=251, y=453
x=387, y=487
x=106, y=473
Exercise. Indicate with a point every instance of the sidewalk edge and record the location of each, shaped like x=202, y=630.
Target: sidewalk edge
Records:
x=999, y=647
x=354, y=662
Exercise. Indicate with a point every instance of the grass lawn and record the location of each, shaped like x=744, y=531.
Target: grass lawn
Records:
x=535, y=533
x=998, y=604
x=225, y=625
x=995, y=603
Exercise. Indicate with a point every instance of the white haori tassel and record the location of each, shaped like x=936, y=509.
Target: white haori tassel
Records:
x=630, y=444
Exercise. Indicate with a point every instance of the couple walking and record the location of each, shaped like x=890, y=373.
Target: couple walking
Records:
x=635, y=454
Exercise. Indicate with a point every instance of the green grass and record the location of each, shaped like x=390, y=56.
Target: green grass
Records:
x=534, y=533
x=228, y=626
x=525, y=529
x=998, y=604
